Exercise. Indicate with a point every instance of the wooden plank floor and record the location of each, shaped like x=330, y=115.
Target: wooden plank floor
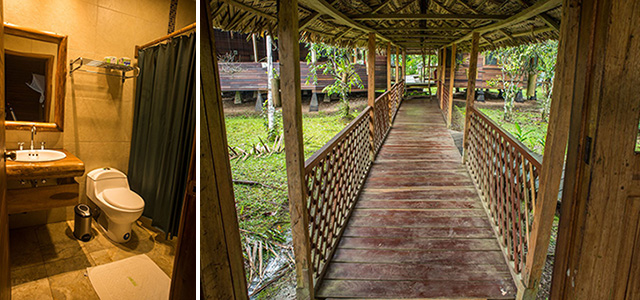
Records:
x=418, y=230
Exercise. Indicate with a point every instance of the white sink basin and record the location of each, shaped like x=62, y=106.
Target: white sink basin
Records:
x=39, y=155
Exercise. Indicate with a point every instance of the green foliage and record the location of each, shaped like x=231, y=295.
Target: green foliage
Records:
x=515, y=62
x=263, y=213
x=340, y=66
x=522, y=135
x=546, y=53
x=526, y=126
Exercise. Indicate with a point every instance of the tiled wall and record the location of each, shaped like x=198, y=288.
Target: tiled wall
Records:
x=98, y=108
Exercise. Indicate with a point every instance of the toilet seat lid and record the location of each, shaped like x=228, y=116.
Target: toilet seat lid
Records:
x=123, y=198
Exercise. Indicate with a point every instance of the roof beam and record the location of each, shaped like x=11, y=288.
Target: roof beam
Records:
x=250, y=9
x=381, y=6
x=404, y=17
x=323, y=7
x=550, y=21
x=527, y=13
x=306, y=21
x=545, y=17
x=426, y=36
x=444, y=28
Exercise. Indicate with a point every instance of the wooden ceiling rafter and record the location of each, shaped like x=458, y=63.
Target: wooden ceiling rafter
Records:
x=456, y=17
x=323, y=7
x=543, y=16
x=250, y=9
x=525, y=14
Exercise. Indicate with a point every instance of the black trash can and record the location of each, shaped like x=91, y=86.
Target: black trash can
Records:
x=82, y=226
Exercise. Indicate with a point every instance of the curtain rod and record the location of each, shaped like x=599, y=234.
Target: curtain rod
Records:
x=166, y=37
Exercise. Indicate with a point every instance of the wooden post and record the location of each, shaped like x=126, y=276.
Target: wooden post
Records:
x=423, y=72
x=221, y=264
x=388, y=67
x=441, y=67
x=288, y=44
x=255, y=48
x=452, y=75
x=397, y=64
x=471, y=87
x=597, y=254
x=371, y=87
x=427, y=75
x=404, y=64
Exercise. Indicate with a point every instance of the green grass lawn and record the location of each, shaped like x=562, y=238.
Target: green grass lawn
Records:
x=527, y=126
x=263, y=211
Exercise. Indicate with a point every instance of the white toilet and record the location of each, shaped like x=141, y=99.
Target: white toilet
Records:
x=109, y=189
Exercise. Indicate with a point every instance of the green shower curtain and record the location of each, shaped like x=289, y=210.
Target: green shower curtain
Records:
x=163, y=129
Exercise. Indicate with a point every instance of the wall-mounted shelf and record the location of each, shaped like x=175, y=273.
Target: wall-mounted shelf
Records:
x=80, y=62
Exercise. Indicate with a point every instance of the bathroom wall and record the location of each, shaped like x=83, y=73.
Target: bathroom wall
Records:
x=98, y=108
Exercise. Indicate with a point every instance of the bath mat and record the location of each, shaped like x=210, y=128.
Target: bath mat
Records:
x=136, y=277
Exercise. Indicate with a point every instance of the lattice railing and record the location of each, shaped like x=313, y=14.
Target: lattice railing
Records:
x=335, y=174
x=382, y=109
x=445, y=98
x=506, y=174
x=395, y=95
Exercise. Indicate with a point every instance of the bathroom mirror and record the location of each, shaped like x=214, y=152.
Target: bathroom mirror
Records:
x=35, y=78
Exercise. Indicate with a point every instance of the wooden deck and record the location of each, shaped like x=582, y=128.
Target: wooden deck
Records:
x=419, y=229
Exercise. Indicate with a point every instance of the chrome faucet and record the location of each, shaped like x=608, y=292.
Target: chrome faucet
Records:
x=33, y=132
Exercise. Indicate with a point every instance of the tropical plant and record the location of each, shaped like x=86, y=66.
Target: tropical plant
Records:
x=513, y=63
x=547, y=57
x=340, y=66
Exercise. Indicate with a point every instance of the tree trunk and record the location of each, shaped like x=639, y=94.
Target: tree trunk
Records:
x=270, y=108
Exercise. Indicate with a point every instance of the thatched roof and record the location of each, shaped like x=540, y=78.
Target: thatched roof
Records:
x=410, y=24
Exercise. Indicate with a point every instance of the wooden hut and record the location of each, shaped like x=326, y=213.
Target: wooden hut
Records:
x=248, y=71
x=389, y=209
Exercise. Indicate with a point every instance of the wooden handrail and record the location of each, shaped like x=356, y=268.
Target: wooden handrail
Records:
x=522, y=148
x=317, y=156
x=505, y=173
x=322, y=152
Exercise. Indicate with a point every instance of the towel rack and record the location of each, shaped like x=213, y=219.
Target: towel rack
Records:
x=78, y=63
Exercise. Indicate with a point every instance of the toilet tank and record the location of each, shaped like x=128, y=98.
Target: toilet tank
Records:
x=105, y=178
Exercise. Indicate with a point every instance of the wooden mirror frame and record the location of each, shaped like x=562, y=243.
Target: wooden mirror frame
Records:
x=60, y=77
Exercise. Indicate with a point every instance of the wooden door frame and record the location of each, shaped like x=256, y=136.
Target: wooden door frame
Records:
x=222, y=273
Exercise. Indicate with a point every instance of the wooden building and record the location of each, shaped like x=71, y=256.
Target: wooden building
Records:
x=389, y=209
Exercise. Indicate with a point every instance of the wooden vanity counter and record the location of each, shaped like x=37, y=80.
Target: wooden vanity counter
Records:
x=43, y=185
x=70, y=166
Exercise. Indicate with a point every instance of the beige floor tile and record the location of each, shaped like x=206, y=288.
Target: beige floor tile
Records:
x=27, y=274
x=76, y=263
x=98, y=242
x=38, y=289
x=101, y=257
x=50, y=256
x=24, y=250
x=60, y=250
x=53, y=233
x=72, y=285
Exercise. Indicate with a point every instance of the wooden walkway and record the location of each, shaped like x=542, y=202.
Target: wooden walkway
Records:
x=418, y=229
